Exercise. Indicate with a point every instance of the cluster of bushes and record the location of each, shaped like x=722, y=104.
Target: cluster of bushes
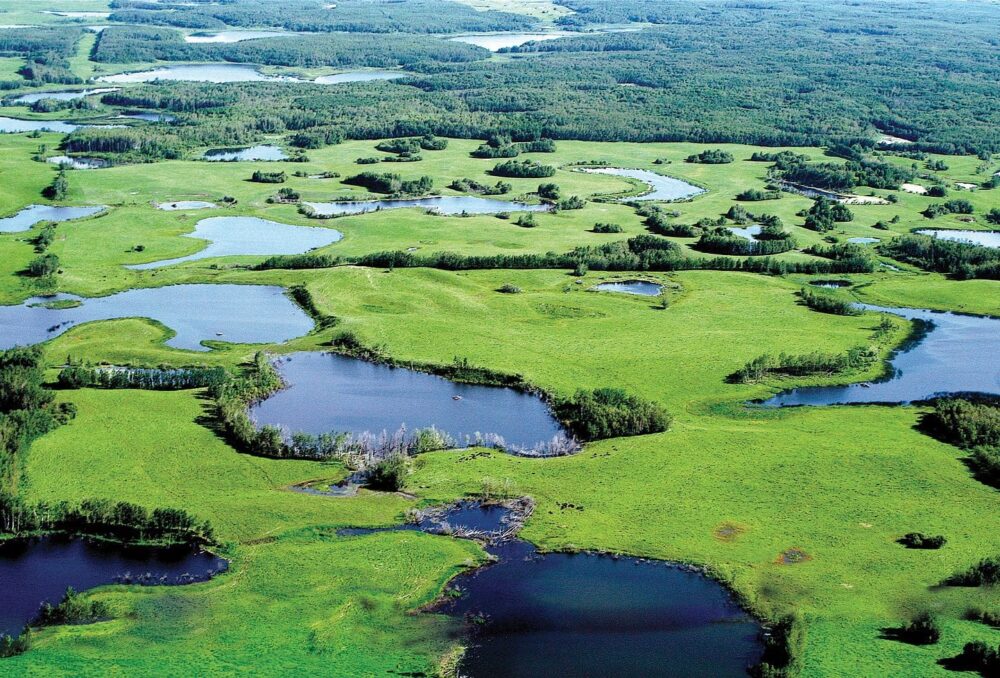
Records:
x=473, y=186
x=919, y=540
x=921, y=630
x=261, y=177
x=610, y=413
x=964, y=261
x=842, y=177
x=46, y=236
x=807, y=364
x=522, y=169
x=502, y=146
x=574, y=202
x=711, y=157
x=285, y=195
x=960, y=206
x=724, y=241
x=984, y=573
x=412, y=146
x=974, y=426
x=72, y=609
x=43, y=266
x=784, y=648
x=79, y=376
x=824, y=213
x=601, y=227
x=58, y=188
x=850, y=255
x=756, y=195
x=391, y=184
x=980, y=657
x=826, y=303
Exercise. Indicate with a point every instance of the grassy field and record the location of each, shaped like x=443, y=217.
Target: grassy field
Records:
x=840, y=483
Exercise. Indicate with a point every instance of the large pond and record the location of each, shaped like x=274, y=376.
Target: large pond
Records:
x=661, y=187
x=231, y=236
x=39, y=570
x=563, y=614
x=263, y=152
x=359, y=76
x=497, y=41
x=61, y=96
x=232, y=36
x=16, y=125
x=196, y=73
x=956, y=353
x=328, y=393
x=449, y=205
x=35, y=214
x=639, y=287
x=243, y=314
x=984, y=238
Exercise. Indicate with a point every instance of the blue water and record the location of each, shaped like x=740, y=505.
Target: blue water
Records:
x=231, y=236
x=34, y=214
x=450, y=205
x=185, y=205
x=640, y=287
x=984, y=238
x=263, y=152
x=242, y=314
x=661, y=187
x=16, y=125
x=217, y=73
x=61, y=96
x=359, y=76
x=331, y=393
x=77, y=163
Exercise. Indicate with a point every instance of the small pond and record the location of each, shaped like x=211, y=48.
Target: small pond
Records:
x=34, y=214
x=957, y=353
x=359, y=76
x=263, y=152
x=747, y=232
x=78, y=163
x=562, y=614
x=231, y=236
x=831, y=284
x=242, y=314
x=197, y=73
x=497, y=41
x=640, y=287
x=185, y=205
x=984, y=238
x=232, y=36
x=448, y=205
x=39, y=570
x=332, y=393
x=16, y=125
x=61, y=96
x=149, y=117
x=661, y=187
x=863, y=241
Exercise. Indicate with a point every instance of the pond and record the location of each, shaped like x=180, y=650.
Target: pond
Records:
x=39, y=570
x=35, y=214
x=231, y=236
x=748, y=232
x=16, y=125
x=332, y=393
x=956, y=354
x=149, y=117
x=497, y=41
x=242, y=314
x=359, y=76
x=863, y=241
x=185, y=205
x=61, y=96
x=984, y=238
x=562, y=614
x=661, y=187
x=640, y=287
x=262, y=152
x=831, y=284
x=78, y=163
x=232, y=36
x=197, y=73
x=448, y=205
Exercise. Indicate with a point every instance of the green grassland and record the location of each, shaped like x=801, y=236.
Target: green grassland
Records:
x=840, y=483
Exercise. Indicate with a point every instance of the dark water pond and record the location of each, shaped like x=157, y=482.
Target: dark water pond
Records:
x=230, y=236
x=34, y=214
x=984, y=238
x=243, y=314
x=958, y=353
x=565, y=614
x=328, y=393
x=359, y=76
x=61, y=96
x=662, y=187
x=16, y=125
x=640, y=287
x=263, y=152
x=831, y=284
x=450, y=205
x=39, y=570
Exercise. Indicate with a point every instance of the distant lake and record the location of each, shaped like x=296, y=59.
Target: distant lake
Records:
x=35, y=214
x=498, y=41
x=232, y=36
x=197, y=73
x=662, y=187
x=984, y=238
x=61, y=96
x=16, y=125
x=450, y=205
x=359, y=76
x=264, y=152
x=149, y=117
x=230, y=236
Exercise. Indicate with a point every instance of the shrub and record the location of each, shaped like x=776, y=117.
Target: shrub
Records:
x=756, y=194
x=508, y=288
x=548, y=191
x=980, y=657
x=711, y=157
x=72, y=609
x=389, y=475
x=42, y=266
x=523, y=169
x=919, y=540
x=607, y=228
x=58, y=188
x=526, y=220
x=825, y=303
x=574, y=202
x=921, y=630
x=610, y=413
x=262, y=177
x=984, y=573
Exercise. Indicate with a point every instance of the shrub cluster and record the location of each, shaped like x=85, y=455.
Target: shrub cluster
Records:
x=610, y=413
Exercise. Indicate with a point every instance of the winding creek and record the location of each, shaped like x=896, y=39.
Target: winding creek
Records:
x=33, y=571
x=244, y=314
x=231, y=236
x=661, y=187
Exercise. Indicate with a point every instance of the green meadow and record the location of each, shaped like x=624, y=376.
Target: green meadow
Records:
x=729, y=487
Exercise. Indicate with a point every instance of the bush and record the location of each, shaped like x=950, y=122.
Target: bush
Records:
x=508, y=288
x=526, y=220
x=391, y=184
x=58, y=188
x=72, y=609
x=574, y=202
x=921, y=630
x=523, y=169
x=389, y=475
x=980, y=657
x=261, y=177
x=607, y=228
x=919, y=540
x=610, y=413
x=711, y=157
x=825, y=303
x=984, y=573
x=756, y=194
x=548, y=191
x=43, y=266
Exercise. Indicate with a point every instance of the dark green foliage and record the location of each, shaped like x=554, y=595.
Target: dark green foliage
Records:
x=711, y=157
x=72, y=609
x=43, y=266
x=11, y=646
x=610, y=413
x=548, y=191
x=979, y=657
x=508, y=288
x=919, y=540
x=607, y=228
x=473, y=186
x=756, y=194
x=724, y=241
x=574, y=202
x=993, y=216
x=389, y=475
x=961, y=260
x=526, y=220
x=262, y=177
x=826, y=303
x=524, y=169
x=984, y=616
x=921, y=630
x=808, y=364
x=784, y=647
x=974, y=426
x=391, y=184
x=843, y=177
x=45, y=237
x=936, y=165
x=57, y=189
x=77, y=376
x=985, y=573
x=960, y=206
x=936, y=191
x=824, y=213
